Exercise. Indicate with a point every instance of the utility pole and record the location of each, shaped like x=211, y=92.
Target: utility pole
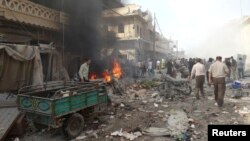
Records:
x=63, y=36
x=154, y=38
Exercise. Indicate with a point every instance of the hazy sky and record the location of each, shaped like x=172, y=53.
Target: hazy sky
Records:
x=192, y=21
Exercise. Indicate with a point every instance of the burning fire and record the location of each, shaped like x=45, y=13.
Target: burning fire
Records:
x=107, y=77
x=117, y=70
x=93, y=76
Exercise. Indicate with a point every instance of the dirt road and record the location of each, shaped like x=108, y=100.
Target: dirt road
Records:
x=142, y=108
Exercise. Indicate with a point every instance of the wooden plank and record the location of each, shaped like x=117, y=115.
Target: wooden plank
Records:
x=7, y=118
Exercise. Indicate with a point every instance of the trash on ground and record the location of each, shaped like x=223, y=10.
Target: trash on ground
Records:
x=177, y=122
x=130, y=136
x=155, y=132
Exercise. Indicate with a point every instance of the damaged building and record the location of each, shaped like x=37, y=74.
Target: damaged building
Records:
x=135, y=32
x=56, y=34
x=29, y=31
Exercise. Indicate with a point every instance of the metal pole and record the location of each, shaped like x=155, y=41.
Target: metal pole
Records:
x=154, y=38
x=63, y=35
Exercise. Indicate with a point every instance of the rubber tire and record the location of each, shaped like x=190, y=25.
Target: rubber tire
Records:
x=79, y=122
x=164, y=89
x=188, y=91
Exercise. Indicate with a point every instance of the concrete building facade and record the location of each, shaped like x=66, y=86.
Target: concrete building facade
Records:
x=135, y=33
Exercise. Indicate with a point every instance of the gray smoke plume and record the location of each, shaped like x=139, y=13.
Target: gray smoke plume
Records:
x=84, y=35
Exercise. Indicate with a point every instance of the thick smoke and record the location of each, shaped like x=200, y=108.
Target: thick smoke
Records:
x=84, y=35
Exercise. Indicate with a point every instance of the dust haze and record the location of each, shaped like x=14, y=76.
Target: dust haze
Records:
x=226, y=41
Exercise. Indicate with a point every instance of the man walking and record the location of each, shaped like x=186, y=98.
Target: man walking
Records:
x=217, y=74
x=228, y=64
x=199, y=72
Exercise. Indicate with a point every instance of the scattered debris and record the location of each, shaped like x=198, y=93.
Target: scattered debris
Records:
x=130, y=136
x=177, y=122
x=16, y=139
x=244, y=110
x=147, y=84
x=225, y=112
x=160, y=111
x=81, y=137
x=156, y=105
x=155, y=94
x=182, y=137
x=141, y=94
x=165, y=106
x=154, y=131
x=122, y=105
x=190, y=120
x=192, y=126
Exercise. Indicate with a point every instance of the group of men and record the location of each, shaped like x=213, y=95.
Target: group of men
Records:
x=216, y=73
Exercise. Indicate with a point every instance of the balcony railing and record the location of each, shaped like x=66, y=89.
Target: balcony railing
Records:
x=31, y=13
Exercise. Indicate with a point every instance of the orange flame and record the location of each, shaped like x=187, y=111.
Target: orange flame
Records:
x=93, y=76
x=107, y=77
x=117, y=70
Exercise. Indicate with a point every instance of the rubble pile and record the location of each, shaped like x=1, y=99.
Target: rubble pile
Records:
x=142, y=113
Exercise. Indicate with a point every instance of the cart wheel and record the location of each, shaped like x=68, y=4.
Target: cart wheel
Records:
x=73, y=126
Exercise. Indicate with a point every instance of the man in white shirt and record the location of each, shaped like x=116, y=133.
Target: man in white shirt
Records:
x=150, y=68
x=217, y=74
x=84, y=71
x=158, y=64
x=198, y=72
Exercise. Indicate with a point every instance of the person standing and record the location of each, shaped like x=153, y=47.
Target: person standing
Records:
x=169, y=68
x=190, y=65
x=228, y=64
x=84, y=70
x=158, y=64
x=144, y=69
x=240, y=67
x=207, y=66
x=217, y=74
x=233, y=68
x=150, y=68
x=198, y=72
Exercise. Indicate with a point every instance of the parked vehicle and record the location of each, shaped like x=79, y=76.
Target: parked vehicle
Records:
x=62, y=104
